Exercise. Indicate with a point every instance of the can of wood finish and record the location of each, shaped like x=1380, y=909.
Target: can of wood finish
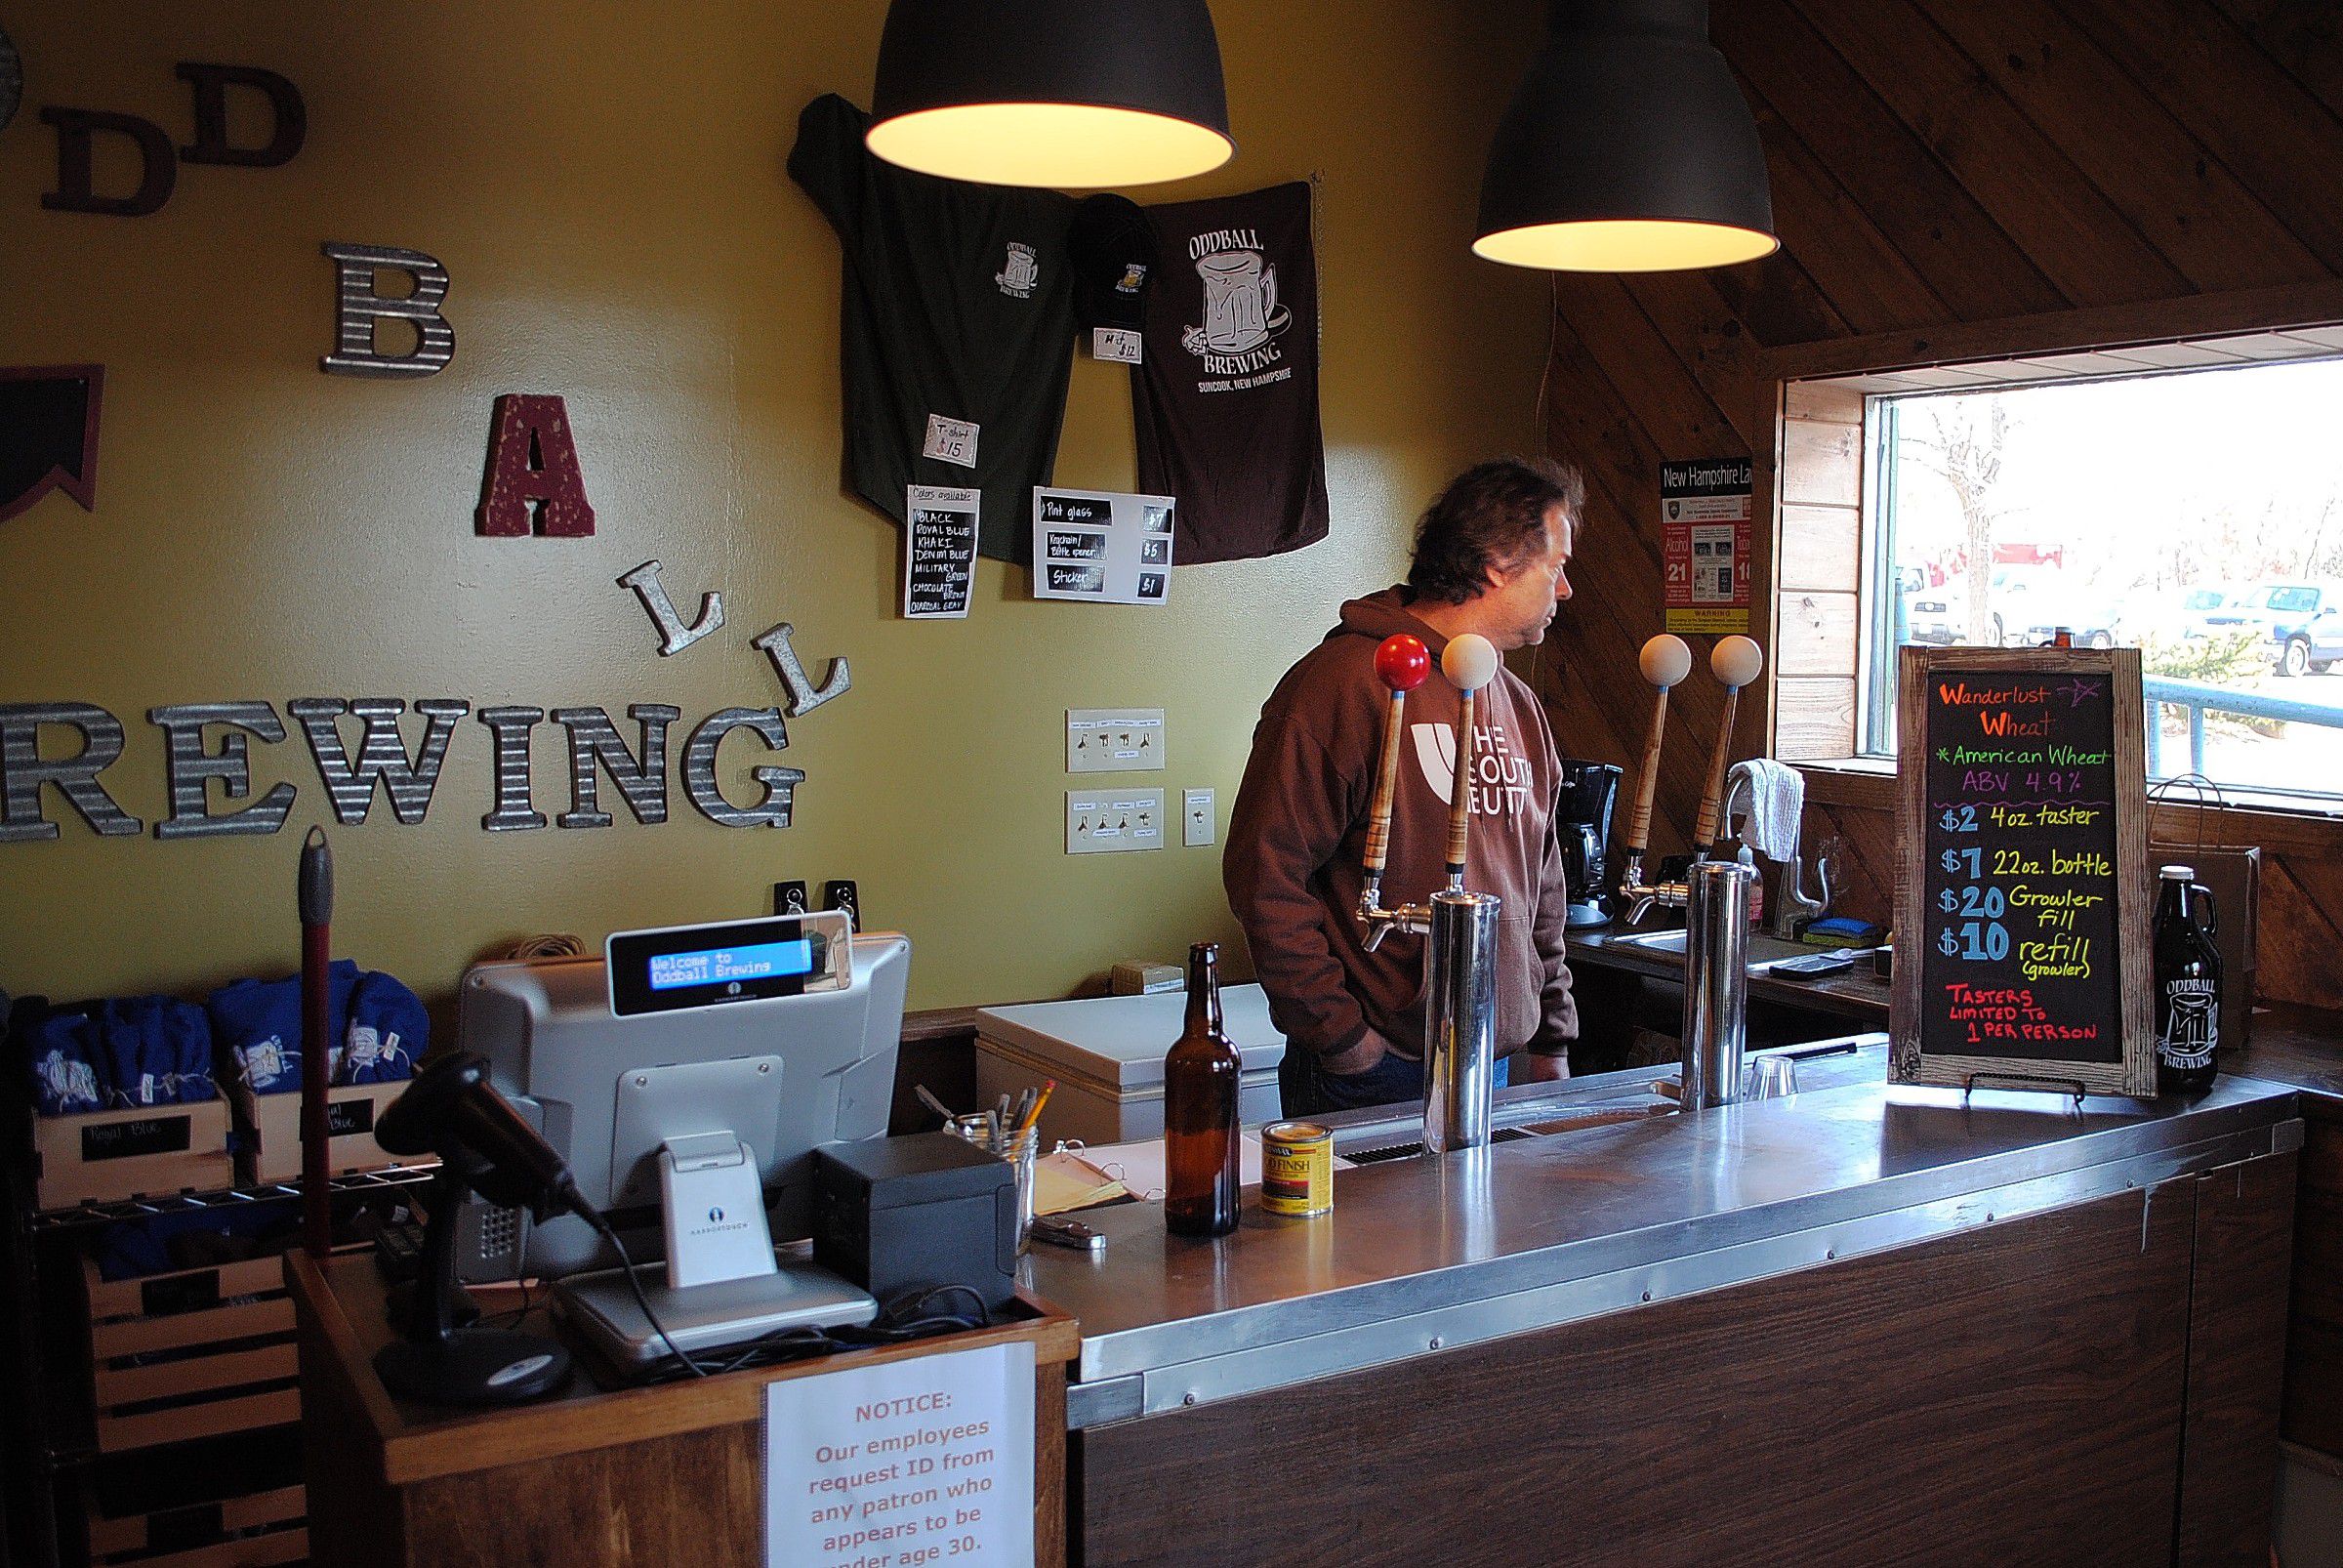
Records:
x=1297, y=1170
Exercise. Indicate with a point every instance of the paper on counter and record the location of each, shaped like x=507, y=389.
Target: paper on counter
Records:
x=1140, y=1165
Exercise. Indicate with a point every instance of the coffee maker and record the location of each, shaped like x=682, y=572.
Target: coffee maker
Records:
x=1583, y=817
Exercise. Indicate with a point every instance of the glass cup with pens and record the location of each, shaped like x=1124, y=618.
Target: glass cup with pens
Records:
x=1010, y=1130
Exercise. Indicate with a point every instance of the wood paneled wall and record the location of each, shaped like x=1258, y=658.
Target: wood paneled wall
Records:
x=1936, y=161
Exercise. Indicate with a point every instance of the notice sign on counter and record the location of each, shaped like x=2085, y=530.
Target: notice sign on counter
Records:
x=1704, y=543
x=927, y=1460
x=2022, y=926
x=939, y=551
x=1102, y=546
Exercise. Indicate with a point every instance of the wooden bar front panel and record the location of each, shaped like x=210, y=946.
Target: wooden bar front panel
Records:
x=2237, y=1361
x=2011, y=1395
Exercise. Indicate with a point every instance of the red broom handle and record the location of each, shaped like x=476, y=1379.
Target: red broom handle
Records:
x=316, y=893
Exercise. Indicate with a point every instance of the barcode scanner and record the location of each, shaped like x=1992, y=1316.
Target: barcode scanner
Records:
x=452, y=1110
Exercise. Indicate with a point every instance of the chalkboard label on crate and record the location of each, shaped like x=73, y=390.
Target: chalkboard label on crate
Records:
x=344, y=1117
x=146, y=1134
x=2022, y=918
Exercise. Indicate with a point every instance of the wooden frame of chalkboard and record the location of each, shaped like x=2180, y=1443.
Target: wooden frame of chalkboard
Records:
x=2022, y=860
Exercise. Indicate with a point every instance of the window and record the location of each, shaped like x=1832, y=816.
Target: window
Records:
x=2196, y=514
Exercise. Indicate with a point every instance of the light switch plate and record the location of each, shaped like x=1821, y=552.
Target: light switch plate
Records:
x=1196, y=821
x=1107, y=821
x=1114, y=740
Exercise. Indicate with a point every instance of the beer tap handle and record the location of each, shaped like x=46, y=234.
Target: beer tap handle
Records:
x=1736, y=661
x=1402, y=663
x=1469, y=662
x=1664, y=660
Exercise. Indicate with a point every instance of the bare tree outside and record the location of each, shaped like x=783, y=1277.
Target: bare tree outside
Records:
x=1961, y=440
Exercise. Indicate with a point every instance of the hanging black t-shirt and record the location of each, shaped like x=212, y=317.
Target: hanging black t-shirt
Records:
x=1225, y=397
x=958, y=308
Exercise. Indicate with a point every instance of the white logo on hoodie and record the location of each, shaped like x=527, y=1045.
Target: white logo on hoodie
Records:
x=1501, y=778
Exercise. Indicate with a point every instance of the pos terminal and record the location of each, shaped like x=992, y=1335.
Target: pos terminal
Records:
x=687, y=1076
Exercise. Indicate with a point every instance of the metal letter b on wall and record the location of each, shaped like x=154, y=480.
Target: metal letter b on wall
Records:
x=358, y=307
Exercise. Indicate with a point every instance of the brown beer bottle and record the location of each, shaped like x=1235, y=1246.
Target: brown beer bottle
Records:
x=1201, y=1076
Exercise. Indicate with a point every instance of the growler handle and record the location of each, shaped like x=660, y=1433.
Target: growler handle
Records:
x=2201, y=899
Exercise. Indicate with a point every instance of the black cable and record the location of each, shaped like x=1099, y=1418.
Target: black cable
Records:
x=904, y=1319
x=635, y=1283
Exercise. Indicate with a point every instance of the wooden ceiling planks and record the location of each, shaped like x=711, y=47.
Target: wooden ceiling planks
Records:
x=2187, y=204
x=1938, y=228
x=1864, y=284
x=2304, y=37
x=2282, y=144
x=2088, y=249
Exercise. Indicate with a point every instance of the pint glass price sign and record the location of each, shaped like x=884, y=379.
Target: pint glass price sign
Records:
x=2015, y=926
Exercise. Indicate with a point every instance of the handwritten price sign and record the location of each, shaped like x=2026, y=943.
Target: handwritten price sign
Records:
x=2020, y=781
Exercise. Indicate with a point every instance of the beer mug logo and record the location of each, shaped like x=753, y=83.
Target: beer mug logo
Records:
x=1241, y=312
x=1019, y=273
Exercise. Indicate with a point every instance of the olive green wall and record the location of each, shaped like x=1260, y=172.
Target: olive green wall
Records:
x=605, y=184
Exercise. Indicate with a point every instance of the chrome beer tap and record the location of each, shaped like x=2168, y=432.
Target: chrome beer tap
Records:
x=1460, y=1058
x=1715, y=893
x=1736, y=661
x=1665, y=661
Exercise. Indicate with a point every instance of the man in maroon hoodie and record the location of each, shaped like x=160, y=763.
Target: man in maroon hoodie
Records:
x=1490, y=558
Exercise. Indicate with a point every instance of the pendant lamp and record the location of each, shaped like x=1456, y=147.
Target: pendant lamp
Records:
x=1058, y=93
x=1627, y=150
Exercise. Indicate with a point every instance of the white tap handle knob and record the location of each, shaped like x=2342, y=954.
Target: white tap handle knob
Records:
x=1665, y=660
x=1736, y=661
x=1469, y=662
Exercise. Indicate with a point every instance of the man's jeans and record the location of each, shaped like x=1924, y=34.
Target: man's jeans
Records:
x=1309, y=1090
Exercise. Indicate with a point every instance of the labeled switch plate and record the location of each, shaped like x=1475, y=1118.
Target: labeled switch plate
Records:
x=1114, y=740
x=1104, y=821
x=1196, y=820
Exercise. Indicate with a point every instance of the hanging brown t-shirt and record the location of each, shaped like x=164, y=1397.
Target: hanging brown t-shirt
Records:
x=1225, y=397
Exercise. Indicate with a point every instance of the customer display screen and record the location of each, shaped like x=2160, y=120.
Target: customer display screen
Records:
x=760, y=961
x=734, y=960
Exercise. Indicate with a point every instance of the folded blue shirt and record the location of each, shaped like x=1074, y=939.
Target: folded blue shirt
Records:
x=64, y=1063
x=153, y=1051
x=257, y=1024
x=389, y=1030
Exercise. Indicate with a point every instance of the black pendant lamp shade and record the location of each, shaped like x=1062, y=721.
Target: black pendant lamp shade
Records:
x=1627, y=150
x=1058, y=93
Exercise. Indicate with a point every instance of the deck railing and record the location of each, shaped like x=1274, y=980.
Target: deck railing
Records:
x=2197, y=699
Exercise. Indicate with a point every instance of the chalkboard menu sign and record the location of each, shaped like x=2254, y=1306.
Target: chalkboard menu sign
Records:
x=2022, y=882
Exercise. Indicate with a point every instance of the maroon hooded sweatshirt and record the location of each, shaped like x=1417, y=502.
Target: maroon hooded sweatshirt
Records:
x=1297, y=838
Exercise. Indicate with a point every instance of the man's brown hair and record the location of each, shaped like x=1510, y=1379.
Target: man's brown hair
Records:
x=1491, y=517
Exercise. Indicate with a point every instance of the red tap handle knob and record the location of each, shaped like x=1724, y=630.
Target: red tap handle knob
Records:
x=1403, y=663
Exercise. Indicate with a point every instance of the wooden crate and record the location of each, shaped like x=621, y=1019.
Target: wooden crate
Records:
x=146, y=1151
x=238, y=1532
x=190, y=1354
x=350, y=1111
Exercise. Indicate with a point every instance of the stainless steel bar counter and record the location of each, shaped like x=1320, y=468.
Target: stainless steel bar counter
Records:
x=1426, y=1258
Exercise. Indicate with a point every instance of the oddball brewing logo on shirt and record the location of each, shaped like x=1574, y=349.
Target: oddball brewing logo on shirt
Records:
x=1020, y=272
x=1241, y=312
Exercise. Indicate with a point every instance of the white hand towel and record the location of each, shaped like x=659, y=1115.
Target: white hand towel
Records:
x=1777, y=796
